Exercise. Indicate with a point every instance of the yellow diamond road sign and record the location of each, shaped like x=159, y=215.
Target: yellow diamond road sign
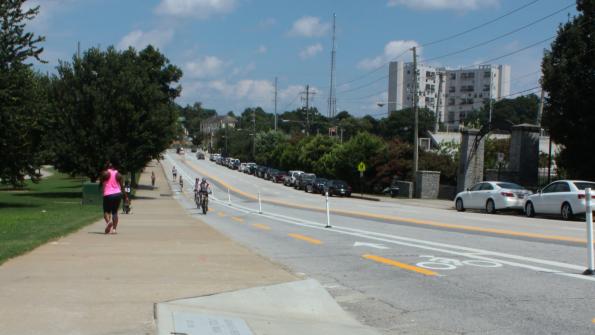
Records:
x=361, y=167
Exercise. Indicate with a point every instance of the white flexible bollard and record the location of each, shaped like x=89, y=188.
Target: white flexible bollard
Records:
x=328, y=212
x=228, y=197
x=259, y=204
x=589, y=219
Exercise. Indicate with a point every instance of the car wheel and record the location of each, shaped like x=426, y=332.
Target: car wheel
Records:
x=490, y=207
x=529, y=210
x=566, y=211
x=459, y=205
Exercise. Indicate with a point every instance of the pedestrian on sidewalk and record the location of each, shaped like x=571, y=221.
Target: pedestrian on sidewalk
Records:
x=112, y=185
x=181, y=183
x=153, y=179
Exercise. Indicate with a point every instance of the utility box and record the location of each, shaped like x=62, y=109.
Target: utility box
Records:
x=92, y=194
x=427, y=184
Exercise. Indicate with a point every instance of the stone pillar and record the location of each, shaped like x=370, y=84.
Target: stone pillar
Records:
x=471, y=160
x=524, y=154
x=427, y=184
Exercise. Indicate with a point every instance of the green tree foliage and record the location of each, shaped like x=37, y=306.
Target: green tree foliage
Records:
x=267, y=144
x=569, y=79
x=114, y=105
x=23, y=96
x=516, y=111
x=400, y=124
x=312, y=149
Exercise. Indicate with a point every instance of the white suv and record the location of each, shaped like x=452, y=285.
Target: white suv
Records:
x=293, y=174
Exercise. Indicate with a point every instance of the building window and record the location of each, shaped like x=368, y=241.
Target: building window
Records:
x=487, y=74
x=453, y=76
x=486, y=88
x=451, y=102
x=452, y=89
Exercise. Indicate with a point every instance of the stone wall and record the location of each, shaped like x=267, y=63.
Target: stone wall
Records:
x=427, y=184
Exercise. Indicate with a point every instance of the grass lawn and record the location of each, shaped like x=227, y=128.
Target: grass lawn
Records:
x=40, y=213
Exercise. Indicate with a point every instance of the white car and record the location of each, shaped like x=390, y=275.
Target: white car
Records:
x=563, y=197
x=492, y=196
x=293, y=175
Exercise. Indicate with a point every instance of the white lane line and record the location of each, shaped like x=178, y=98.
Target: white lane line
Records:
x=439, y=247
x=429, y=245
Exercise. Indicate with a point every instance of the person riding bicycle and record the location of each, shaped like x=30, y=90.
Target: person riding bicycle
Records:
x=174, y=172
x=196, y=186
x=203, y=190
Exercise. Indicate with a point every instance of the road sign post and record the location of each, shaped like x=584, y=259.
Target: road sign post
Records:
x=361, y=167
x=589, y=219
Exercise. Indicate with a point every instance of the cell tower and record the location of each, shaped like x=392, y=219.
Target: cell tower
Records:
x=332, y=100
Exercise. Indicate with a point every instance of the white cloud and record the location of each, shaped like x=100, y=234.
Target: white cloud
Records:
x=208, y=66
x=140, y=39
x=200, y=9
x=444, y=4
x=311, y=51
x=392, y=50
x=309, y=26
x=242, y=71
x=262, y=49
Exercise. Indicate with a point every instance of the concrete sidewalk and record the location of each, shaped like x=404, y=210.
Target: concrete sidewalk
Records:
x=91, y=283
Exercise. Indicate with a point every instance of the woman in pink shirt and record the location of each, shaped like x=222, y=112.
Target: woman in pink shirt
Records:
x=112, y=185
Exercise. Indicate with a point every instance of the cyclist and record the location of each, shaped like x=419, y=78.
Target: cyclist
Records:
x=196, y=193
x=174, y=172
x=203, y=190
x=181, y=184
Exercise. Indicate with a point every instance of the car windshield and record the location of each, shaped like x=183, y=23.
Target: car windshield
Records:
x=510, y=186
x=321, y=180
x=583, y=185
x=308, y=176
x=340, y=183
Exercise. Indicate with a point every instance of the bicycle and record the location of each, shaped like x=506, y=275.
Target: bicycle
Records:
x=205, y=202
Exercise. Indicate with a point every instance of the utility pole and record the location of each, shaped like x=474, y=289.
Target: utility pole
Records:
x=307, y=93
x=254, y=133
x=540, y=111
x=275, y=103
x=332, y=100
x=416, y=125
x=78, y=49
x=438, y=101
x=491, y=98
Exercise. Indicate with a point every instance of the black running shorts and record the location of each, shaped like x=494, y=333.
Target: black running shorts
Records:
x=111, y=203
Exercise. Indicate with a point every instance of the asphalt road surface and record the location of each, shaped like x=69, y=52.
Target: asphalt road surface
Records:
x=408, y=269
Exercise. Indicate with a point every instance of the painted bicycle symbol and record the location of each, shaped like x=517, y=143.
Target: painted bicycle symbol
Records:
x=441, y=263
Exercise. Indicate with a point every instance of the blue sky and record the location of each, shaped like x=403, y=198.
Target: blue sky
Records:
x=231, y=50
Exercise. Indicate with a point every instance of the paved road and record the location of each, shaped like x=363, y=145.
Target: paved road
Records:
x=409, y=269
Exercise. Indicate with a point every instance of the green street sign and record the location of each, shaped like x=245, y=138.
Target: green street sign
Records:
x=361, y=167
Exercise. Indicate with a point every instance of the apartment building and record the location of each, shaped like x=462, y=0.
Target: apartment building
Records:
x=451, y=94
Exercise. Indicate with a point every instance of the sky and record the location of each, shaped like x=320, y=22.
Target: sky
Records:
x=230, y=51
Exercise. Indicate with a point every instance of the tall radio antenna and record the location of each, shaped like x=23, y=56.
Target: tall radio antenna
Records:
x=332, y=100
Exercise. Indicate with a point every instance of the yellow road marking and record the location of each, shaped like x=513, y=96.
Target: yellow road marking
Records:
x=261, y=226
x=400, y=219
x=221, y=214
x=593, y=321
x=400, y=265
x=305, y=238
x=237, y=219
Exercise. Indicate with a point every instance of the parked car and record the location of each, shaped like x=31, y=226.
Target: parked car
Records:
x=562, y=197
x=317, y=185
x=260, y=171
x=250, y=168
x=181, y=151
x=492, y=196
x=213, y=157
x=193, y=149
x=279, y=177
x=303, y=180
x=337, y=187
x=200, y=155
x=269, y=172
x=293, y=175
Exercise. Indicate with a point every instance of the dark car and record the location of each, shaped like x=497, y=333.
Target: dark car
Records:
x=200, y=155
x=279, y=177
x=269, y=173
x=303, y=180
x=317, y=185
x=260, y=171
x=338, y=187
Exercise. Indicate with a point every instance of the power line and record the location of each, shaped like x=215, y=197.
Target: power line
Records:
x=499, y=36
x=444, y=39
x=448, y=38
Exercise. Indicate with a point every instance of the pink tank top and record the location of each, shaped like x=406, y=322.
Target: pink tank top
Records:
x=111, y=186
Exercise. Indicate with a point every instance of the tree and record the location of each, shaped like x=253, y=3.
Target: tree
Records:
x=569, y=79
x=266, y=145
x=193, y=116
x=312, y=149
x=400, y=124
x=22, y=95
x=114, y=105
x=520, y=110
